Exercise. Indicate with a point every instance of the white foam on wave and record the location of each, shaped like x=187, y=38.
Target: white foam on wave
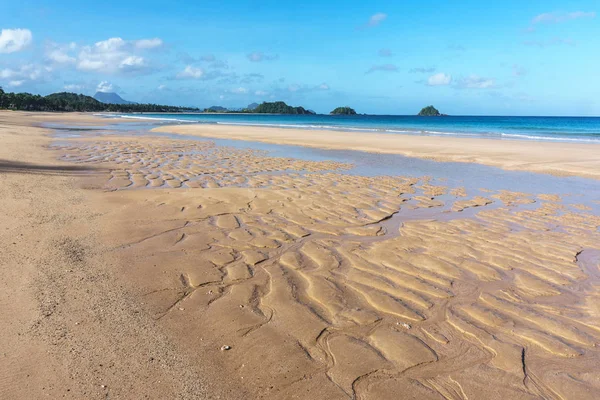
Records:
x=327, y=127
x=554, y=139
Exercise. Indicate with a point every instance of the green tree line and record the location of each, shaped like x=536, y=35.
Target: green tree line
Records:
x=75, y=102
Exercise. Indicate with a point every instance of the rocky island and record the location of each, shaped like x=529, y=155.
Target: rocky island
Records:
x=429, y=111
x=343, y=111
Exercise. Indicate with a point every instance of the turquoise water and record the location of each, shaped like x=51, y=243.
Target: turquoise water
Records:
x=565, y=129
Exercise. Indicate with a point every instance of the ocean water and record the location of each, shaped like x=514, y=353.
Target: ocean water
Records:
x=564, y=129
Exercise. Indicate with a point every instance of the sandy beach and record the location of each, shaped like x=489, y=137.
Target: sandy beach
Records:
x=171, y=268
x=568, y=159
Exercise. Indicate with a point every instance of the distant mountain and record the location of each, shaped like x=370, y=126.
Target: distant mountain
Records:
x=111, y=98
x=252, y=106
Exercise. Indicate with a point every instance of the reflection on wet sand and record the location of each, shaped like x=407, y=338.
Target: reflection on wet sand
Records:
x=331, y=285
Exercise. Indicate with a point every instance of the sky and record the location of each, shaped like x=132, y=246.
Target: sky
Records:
x=379, y=57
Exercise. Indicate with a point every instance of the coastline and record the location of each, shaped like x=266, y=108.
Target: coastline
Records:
x=560, y=159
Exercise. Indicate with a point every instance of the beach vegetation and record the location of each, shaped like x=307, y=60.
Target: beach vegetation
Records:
x=76, y=102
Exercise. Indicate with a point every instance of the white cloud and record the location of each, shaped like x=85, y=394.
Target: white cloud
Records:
x=116, y=55
x=60, y=57
x=105, y=87
x=476, y=82
x=148, y=43
x=323, y=86
x=13, y=40
x=555, y=17
x=162, y=87
x=258, y=56
x=439, y=79
x=261, y=93
x=132, y=63
x=24, y=74
x=376, y=19
x=191, y=72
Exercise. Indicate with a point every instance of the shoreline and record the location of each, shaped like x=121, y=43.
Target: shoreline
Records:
x=560, y=159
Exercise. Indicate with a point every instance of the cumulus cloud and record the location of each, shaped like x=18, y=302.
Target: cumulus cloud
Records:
x=259, y=56
x=13, y=40
x=385, y=53
x=106, y=87
x=476, y=82
x=25, y=74
x=439, y=79
x=261, y=93
x=148, y=43
x=60, y=54
x=191, y=72
x=556, y=17
x=133, y=63
x=323, y=86
x=384, y=67
x=116, y=55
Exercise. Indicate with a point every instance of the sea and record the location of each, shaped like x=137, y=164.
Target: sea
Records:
x=561, y=129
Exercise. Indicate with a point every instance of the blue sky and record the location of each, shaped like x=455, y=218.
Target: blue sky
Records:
x=505, y=58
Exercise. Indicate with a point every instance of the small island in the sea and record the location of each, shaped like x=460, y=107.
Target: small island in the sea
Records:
x=279, y=107
x=429, y=111
x=343, y=111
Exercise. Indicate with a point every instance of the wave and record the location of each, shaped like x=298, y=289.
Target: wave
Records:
x=327, y=127
x=554, y=139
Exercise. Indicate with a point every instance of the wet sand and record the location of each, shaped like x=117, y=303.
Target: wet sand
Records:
x=563, y=159
x=253, y=276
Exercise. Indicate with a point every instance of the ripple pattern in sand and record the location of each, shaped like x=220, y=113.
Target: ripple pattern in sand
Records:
x=331, y=285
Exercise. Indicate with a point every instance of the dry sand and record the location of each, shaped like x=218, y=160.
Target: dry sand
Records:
x=553, y=158
x=320, y=284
